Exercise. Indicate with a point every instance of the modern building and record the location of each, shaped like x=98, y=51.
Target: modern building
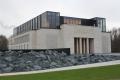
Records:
x=50, y=30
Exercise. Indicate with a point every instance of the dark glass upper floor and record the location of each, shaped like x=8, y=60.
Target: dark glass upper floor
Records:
x=53, y=20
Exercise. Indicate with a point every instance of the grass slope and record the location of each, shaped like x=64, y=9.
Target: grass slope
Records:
x=98, y=73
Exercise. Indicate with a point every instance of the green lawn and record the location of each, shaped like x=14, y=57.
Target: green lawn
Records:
x=99, y=73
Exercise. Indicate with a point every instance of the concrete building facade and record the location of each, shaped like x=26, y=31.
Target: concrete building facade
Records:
x=50, y=30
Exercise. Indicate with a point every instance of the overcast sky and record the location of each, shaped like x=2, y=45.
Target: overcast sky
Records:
x=16, y=12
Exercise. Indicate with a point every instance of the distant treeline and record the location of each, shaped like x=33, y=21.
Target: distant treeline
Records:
x=115, y=40
x=3, y=42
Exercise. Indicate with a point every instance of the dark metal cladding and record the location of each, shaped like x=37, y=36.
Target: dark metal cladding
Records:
x=53, y=20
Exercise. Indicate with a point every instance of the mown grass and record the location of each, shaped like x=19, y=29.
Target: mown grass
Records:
x=98, y=73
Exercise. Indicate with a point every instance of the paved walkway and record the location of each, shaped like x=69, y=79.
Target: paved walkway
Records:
x=65, y=68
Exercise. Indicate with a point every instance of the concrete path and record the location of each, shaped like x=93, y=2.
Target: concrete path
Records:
x=65, y=68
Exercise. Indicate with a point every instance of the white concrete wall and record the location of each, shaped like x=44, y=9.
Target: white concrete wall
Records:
x=48, y=39
x=106, y=42
x=33, y=39
x=64, y=38
x=13, y=45
x=71, y=31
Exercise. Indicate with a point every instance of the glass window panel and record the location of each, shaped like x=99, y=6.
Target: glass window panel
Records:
x=68, y=21
x=65, y=21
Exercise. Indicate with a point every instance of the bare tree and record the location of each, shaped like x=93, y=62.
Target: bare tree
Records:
x=115, y=42
x=3, y=43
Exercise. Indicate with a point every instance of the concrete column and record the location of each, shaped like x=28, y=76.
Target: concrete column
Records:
x=77, y=46
x=80, y=45
x=88, y=45
x=84, y=46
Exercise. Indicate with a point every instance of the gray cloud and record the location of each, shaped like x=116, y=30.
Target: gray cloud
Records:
x=2, y=25
x=5, y=29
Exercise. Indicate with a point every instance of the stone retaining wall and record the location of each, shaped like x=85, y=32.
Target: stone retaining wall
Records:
x=19, y=61
x=65, y=68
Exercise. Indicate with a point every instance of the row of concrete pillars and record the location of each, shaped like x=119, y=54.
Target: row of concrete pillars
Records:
x=83, y=45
